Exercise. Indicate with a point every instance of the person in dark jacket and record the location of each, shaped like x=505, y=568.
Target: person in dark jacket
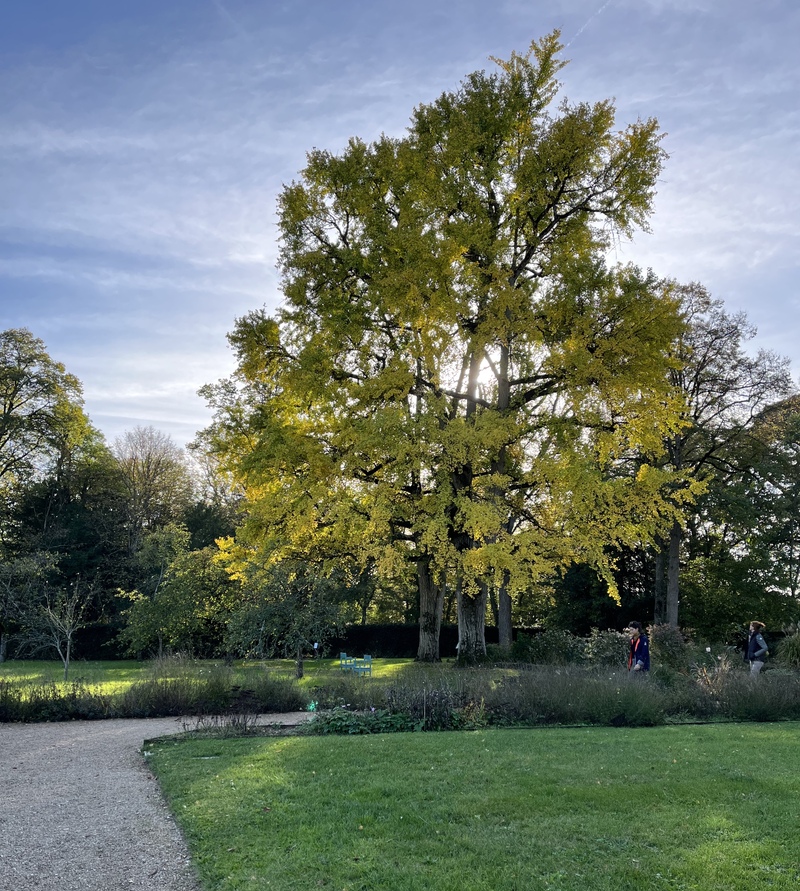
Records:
x=639, y=656
x=756, y=650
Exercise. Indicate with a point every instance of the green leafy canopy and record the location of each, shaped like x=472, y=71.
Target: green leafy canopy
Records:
x=456, y=374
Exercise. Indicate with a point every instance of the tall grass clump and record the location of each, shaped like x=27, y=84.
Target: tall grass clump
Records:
x=788, y=654
x=599, y=691
x=574, y=695
x=162, y=697
x=437, y=699
x=10, y=696
x=770, y=696
x=176, y=686
x=262, y=691
x=40, y=702
x=345, y=690
x=422, y=697
x=169, y=686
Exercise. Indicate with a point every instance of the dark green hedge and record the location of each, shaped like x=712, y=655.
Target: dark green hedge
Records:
x=396, y=641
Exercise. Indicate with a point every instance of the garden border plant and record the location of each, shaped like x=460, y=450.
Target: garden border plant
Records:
x=713, y=687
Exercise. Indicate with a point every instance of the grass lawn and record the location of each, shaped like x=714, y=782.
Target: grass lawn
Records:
x=693, y=807
x=115, y=676
x=105, y=676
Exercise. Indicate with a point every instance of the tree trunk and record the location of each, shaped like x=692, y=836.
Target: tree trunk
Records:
x=673, y=572
x=504, y=620
x=431, y=602
x=504, y=625
x=660, y=586
x=3, y=646
x=68, y=656
x=471, y=626
x=298, y=665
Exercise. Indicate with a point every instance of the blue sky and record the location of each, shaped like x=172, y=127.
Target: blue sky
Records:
x=143, y=146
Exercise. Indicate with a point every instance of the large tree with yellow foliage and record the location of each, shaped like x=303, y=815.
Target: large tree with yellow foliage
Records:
x=456, y=376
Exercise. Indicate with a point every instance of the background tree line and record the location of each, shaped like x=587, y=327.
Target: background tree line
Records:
x=87, y=530
x=460, y=411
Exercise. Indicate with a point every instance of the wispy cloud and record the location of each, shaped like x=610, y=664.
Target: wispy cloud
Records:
x=141, y=156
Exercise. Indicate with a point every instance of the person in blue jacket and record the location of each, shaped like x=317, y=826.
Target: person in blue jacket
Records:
x=639, y=656
x=756, y=650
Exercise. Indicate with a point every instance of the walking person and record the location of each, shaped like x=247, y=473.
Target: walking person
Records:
x=639, y=656
x=756, y=650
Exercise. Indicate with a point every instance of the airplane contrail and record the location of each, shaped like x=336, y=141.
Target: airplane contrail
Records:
x=226, y=14
x=586, y=24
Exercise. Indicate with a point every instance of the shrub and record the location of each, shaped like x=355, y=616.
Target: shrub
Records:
x=342, y=721
x=497, y=655
x=670, y=646
x=550, y=647
x=607, y=648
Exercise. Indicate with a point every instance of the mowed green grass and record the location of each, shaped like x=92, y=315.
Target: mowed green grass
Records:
x=115, y=676
x=693, y=807
x=103, y=676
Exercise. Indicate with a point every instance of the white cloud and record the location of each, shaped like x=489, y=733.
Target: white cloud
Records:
x=140, y=163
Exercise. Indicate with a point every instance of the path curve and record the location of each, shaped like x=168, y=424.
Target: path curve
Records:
x=80, y=811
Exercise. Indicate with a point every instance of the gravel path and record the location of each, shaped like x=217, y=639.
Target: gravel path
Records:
x=79, y=810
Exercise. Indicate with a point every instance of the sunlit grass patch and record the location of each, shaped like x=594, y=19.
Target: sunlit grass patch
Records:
x=103, y=676
x=713, y=807
x=314, y=669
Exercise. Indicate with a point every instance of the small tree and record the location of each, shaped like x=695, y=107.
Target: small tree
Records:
x=289, y=607
x=151, y=613
x=188, y=608
x=21, y=580
x=51, y=623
